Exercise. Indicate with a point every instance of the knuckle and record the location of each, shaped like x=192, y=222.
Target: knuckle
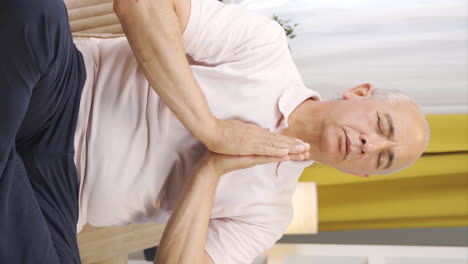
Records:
x=281, y=138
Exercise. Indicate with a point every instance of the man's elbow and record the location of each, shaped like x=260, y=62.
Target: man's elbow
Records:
x=120, y=7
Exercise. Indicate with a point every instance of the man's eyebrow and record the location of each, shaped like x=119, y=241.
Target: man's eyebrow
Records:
x=391, y=129
x=391, y=135
x=391, y=157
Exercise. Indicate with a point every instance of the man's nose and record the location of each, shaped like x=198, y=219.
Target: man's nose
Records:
x=375, y=144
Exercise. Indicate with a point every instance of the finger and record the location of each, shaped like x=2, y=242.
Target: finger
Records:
x=283, y=139
x=232, y=163
x=299, y=157
x=273, y=137
x=298, y=149
x=267, y=150
x=279, y=141
x=257, y=160
x=295, y=149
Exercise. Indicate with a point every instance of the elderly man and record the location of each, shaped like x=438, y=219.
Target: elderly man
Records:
x=169, y=127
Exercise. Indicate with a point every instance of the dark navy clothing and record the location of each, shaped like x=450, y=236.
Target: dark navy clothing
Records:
x=41, y=78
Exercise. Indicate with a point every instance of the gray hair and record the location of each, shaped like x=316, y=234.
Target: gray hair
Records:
x=392, y=96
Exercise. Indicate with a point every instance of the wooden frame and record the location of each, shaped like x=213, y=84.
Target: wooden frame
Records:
x=111, y=245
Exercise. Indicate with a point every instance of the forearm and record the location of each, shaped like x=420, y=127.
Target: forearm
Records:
x=154, y=33
x=186, y=232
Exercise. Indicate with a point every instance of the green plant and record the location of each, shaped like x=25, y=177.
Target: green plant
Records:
x=288, y=29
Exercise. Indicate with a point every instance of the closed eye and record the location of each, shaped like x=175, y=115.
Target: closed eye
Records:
x=379, y=124
x=379, y=160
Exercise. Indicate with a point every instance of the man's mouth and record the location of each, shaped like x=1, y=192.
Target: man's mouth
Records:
x=347, y=145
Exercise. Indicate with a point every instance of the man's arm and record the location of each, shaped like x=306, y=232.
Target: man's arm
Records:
x=186, y=232
x=154, y=32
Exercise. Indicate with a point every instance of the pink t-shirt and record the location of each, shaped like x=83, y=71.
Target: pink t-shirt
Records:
x=133, y=155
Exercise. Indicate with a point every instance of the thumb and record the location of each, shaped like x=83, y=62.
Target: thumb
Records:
x=232, y=163
x=257, y=160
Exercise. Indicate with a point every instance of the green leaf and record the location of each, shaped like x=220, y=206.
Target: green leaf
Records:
x=288, y=29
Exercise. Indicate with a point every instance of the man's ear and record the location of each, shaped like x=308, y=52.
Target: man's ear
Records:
x=360, y=91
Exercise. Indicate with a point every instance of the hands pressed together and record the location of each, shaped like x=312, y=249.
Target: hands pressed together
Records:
x=238, y=145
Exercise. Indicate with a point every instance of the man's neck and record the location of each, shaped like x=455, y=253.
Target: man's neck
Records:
x=306, y=122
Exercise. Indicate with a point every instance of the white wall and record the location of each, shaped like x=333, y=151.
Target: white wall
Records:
x=418, y=46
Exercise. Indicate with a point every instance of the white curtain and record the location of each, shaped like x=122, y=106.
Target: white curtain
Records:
x=417, y=46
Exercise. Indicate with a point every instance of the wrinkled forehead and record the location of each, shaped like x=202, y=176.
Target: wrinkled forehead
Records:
x=409, y=132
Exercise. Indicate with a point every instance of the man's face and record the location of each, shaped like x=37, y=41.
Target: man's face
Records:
x=364, y=136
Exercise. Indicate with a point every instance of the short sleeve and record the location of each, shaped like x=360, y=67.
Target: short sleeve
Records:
x=223, y=31
x=234, y=242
